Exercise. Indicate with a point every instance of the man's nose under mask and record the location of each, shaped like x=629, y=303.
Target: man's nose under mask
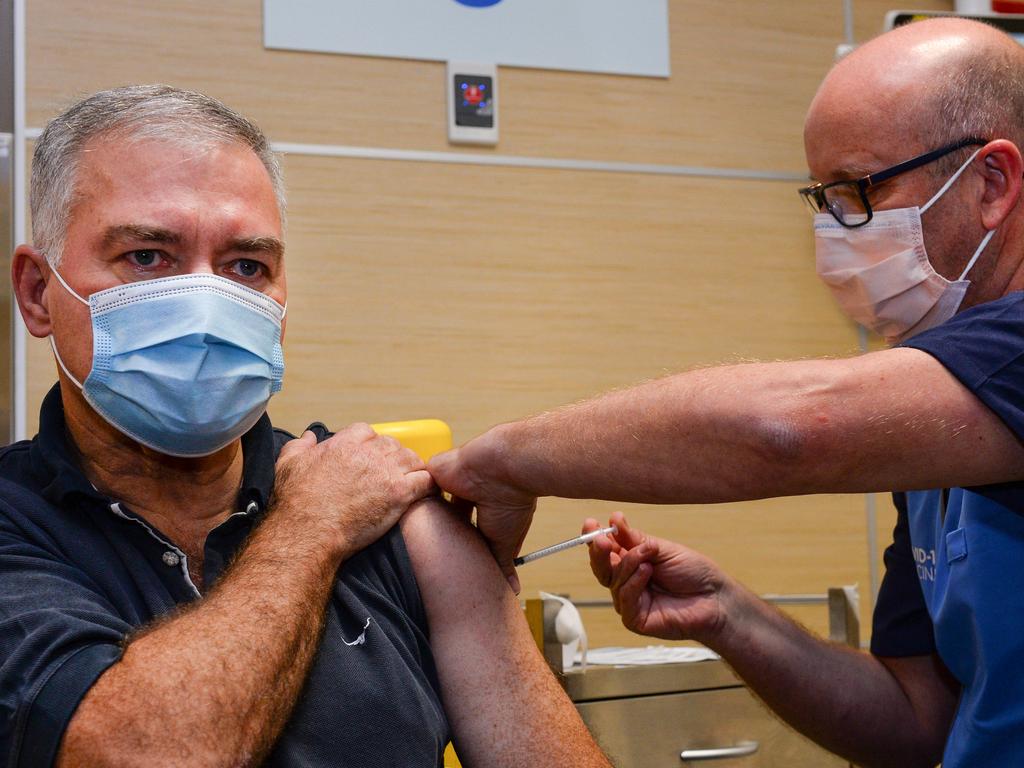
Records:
x=881, y=275
x=184, y=365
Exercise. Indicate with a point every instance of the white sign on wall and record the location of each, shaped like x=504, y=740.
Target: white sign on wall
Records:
x=627, y=37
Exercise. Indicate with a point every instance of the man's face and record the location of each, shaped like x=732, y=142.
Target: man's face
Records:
x=156, y=209
x=851, y=132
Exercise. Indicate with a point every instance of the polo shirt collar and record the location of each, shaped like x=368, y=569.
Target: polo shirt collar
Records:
x=61, y=477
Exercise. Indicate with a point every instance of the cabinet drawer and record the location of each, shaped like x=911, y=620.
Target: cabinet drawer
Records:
x=652, y=731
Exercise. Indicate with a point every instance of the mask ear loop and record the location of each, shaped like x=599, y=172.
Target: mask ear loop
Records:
x=950, y=181
x=977, y=253
x=942, y=191
x=67, y=287
x=53, y=344
x=63, y=367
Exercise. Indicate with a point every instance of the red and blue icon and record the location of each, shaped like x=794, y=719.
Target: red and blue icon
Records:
x=474, y=94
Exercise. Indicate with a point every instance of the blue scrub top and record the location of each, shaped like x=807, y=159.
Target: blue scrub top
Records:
x=969, y=558
x=954, y=578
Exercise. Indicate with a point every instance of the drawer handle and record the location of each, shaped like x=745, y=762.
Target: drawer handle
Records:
x=742, y=749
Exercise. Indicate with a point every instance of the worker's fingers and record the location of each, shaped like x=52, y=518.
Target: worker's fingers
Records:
x=603, y=550
x=624, y=570
x=625, y=535
x=634, y=599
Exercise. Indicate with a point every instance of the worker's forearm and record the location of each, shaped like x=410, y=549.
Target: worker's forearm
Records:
x=891, y=419
x=843, y=699
x=703, y=436
x=214, y=684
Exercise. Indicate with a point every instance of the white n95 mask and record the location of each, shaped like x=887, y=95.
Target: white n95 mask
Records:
x=184, y=365
x=880, y=273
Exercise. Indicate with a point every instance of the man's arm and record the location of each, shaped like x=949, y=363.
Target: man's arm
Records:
x=873, y=711
x=504, y=704
x=214, y=684
x=895, y=419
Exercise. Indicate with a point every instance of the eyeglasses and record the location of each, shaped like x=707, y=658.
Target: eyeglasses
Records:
x=847, y=200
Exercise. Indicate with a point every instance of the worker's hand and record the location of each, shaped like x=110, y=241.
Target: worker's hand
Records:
x=658, y=587
x=351, y=488
x=503, y=511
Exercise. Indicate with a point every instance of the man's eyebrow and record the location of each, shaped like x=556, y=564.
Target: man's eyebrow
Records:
x=126, y=232
x=269, y=246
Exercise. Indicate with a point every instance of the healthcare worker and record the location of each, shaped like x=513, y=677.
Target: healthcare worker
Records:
x=913, y=140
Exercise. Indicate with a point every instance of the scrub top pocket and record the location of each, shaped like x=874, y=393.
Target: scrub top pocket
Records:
x=956, y=545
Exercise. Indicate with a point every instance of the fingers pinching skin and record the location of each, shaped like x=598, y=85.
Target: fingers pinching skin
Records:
x=421, y=484
x=503, y=511
x=443, y=467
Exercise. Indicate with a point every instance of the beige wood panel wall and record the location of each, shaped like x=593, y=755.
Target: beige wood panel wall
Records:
x=478, y=294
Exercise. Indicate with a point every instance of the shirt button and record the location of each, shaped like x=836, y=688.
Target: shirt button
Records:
x=171, y=558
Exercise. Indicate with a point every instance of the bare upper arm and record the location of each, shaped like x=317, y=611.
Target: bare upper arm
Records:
x=504, y=704
x=895, y=419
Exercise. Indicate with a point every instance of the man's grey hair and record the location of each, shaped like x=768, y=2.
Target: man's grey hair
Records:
x=129, y=114
x=980, y=95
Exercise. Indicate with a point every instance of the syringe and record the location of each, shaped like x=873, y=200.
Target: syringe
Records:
x=584, y=539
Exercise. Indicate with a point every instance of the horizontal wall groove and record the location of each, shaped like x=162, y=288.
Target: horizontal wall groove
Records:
x=515, y=161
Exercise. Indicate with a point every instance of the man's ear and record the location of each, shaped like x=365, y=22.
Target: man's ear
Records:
x=1003, y=169
x=29, y=274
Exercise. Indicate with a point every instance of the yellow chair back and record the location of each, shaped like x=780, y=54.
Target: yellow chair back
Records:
x=424, y=436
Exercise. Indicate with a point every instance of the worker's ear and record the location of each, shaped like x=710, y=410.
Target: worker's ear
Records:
x=29, y=275
x=1002, y=168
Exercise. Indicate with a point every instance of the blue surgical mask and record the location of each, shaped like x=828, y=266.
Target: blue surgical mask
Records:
x=184, y=365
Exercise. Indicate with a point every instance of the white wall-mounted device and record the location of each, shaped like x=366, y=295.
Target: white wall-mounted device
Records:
x=472, y=103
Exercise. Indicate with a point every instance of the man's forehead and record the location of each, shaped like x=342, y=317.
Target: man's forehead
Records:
x=850, y=132
x=158, y=174
x=853, y=145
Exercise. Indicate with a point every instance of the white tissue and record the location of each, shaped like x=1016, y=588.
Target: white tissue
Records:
x=569, y=631
x=652, y=654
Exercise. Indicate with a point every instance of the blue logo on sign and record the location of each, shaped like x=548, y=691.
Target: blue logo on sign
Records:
x=478, y=3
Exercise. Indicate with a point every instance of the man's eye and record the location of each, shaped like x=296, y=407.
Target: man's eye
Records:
x=247, y=268
x=144, y=258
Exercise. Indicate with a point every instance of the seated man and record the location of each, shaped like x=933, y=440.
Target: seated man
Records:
x=183, y=584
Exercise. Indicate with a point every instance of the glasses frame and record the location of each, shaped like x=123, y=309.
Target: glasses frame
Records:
x=814, y=195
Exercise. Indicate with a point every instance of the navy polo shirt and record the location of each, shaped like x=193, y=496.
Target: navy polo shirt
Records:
x=983, y=347
x=79, y=572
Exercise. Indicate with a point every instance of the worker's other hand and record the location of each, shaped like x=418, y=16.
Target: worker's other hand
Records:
x=351, y=487
x=503, y=511
x=658, y=587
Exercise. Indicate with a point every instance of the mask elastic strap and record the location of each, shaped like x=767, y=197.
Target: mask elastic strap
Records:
x=63, y=367
x=53, y=344
x=67, y=287
x=949, y=183
x=977, y=253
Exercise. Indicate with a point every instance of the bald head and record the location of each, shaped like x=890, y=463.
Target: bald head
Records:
x=924, y=85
